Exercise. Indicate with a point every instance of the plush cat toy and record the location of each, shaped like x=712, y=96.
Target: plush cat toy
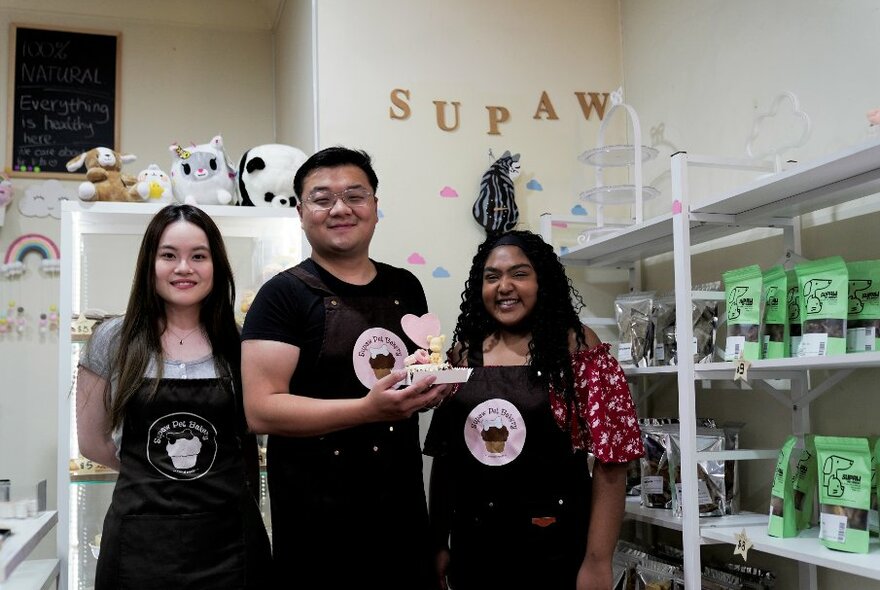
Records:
x=495, y=208
x=104, y=179
x=202, y=174
x=265, y=175
x=152, y=185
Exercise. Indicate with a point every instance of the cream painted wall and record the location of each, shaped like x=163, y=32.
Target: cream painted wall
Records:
x=491, y=53
x=295, y=76
x=702, y=70
x=179, y=83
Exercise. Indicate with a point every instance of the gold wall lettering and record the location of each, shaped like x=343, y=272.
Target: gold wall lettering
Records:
x=498, y=115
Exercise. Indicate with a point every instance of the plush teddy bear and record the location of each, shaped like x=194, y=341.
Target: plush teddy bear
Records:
x=202, y=174
x=152, y=185
x=265, y=175
x=104, y=179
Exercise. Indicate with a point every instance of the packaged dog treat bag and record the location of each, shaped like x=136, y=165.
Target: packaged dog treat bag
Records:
x=804, y=483
x=664, y=331
x=863, y=318
x=824, y=289
x=634, y=313
x=793, y=302
x=774, y=329
x=783, y=521
x=742, y=291
x=844, y=492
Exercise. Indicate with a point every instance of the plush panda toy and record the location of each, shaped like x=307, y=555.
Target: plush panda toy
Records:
x=265, y=175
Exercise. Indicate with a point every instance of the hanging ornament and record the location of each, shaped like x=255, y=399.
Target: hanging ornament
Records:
x=20, y=320
x=53, y=317
x=43, y=323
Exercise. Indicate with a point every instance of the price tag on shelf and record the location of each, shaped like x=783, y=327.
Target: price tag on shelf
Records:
x=741, y=370
x=743, y=544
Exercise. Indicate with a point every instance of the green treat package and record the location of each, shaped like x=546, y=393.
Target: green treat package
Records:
x=824, y=288
x=874, y=514
x=783, y=522
x=774, y=329
x=742, y=290
x=844, y=492
x=863, y=319
x=793, y=302
x=804, y=483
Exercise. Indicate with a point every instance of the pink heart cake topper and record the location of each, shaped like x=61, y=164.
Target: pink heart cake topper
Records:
x=419, y=328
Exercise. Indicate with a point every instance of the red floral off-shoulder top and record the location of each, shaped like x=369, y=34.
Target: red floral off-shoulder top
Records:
x=604, y=404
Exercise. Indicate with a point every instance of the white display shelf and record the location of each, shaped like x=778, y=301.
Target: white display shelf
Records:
x=803, y=188
x=806, y=548
x=26, y=534
x=664, y=518
x=34, y=574
x=769, y=368
x=773, y=200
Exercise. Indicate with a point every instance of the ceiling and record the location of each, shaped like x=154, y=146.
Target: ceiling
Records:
x=256, y=15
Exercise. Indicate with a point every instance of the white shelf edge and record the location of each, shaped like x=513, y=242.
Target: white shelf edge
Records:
x=806, y=548
x=26, y=534
x=33, y=574
x=724, y=370
x=664, y=518
x=737, y=455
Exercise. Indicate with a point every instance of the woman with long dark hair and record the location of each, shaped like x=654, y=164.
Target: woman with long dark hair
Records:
x=512, y=502
x=159, y=399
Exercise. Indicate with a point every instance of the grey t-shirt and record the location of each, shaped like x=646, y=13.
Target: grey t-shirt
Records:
x=102, y=347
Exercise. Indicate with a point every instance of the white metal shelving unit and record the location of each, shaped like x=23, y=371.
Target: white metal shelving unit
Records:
x=255, y=238
x=776, y=200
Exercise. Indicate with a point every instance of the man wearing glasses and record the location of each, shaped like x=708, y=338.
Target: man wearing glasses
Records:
x=321, y=357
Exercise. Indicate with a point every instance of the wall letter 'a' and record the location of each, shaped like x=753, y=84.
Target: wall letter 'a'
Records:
x=497, y=115
x=587, y=108
x=546, y=107
x=440, y=105
x=397, y=100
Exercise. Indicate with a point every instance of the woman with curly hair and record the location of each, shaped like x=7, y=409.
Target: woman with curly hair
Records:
x=512, y=500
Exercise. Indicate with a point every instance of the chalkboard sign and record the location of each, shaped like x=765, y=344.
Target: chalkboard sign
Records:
x=62, y=98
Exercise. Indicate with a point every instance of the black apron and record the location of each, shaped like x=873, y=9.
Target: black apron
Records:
x=348, y=508
x=182, y=515
x=521, y=496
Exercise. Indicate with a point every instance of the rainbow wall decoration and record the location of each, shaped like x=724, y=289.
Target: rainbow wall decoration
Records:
x=13, y=263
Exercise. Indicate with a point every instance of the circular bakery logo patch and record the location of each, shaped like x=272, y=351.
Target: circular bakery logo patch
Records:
x=377, y=352
x=182, y=446
x=495, y=432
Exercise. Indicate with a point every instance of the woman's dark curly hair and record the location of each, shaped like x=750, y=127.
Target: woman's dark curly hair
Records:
x=553, y=318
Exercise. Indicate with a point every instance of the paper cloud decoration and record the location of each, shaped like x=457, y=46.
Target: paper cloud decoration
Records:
x=793, y=127
x=415, y=258
x=448, y=192
x=440, y=273
x=563, y=250
x=43, y=200
x=578, y=210
x=379, y=213
x=534, y=185
x=558, y=224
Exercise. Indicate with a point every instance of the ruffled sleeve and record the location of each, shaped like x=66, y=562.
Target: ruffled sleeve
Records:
x=604, y=405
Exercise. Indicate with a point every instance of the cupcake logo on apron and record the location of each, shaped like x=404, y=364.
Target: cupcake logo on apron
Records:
x=377, y=352
x=495, y=432
x=182, y=446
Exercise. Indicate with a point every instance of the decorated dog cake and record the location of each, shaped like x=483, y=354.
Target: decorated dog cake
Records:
x=426, y=329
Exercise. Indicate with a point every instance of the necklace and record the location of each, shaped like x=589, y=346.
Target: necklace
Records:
x=178, y=336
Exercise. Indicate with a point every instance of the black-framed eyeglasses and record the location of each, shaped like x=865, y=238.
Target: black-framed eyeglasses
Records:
x=322, y=200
